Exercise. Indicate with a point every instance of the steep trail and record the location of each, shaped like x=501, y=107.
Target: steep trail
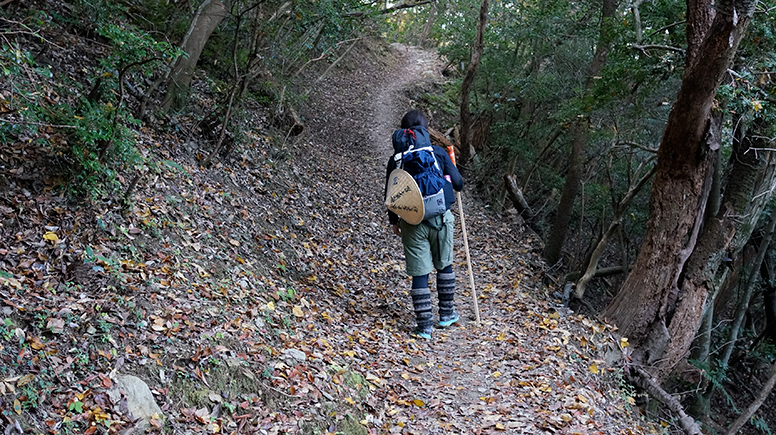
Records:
x=525, y=369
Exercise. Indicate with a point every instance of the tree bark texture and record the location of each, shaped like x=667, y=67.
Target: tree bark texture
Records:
x=747, y=192
x=563, y=214
x=516, y=196
x=428, y=26
x=645, y=308
x=481, y=131
x=560, y=224
x=440, y=139
x=208, y=17
x=467, y=150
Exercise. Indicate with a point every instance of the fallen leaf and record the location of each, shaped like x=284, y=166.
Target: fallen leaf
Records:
x=24, y=380
x=36, y=344
x=372, y=378
x=104, y=354
x=55, y=325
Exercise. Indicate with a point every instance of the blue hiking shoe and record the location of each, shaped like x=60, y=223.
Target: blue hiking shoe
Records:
x=422, y=333
x=448, y=320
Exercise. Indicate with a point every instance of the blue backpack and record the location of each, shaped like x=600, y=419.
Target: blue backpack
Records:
x=421, y=163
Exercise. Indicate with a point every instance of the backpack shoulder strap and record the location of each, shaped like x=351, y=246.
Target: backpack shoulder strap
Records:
x=398, y=159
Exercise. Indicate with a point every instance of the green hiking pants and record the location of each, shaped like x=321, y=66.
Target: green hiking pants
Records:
x=428, y=245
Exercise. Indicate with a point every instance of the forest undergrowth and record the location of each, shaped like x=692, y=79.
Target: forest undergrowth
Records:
x=266, y=293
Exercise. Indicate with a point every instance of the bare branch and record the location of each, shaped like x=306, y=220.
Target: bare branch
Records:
x=648, y=383
x=28, y=31
x=323, y=55
x=666, y=28
x=644, y=48
x=393, y=8
x=636, y=145
x=42, y=124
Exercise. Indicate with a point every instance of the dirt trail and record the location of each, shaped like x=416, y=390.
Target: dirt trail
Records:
x=273, y=283
x=525, y=369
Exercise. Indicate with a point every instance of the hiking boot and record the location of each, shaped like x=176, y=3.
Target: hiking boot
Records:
x=422, y=333
x=448, y=320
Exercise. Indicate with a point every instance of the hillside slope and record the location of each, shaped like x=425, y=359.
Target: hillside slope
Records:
x=266, y=294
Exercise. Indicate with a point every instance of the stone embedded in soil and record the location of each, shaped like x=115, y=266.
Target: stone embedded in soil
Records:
x=140, y=402
x=294, y=355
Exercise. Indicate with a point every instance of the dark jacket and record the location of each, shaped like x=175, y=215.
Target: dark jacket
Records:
x=421, y=140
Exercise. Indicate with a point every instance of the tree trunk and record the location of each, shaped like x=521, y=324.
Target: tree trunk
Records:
x=428, y=26
x=208, y=17
x=560, y=225
x=516, y=195
x=467, y=150
x=743, y=303
x=724, y=234
x=571, y=187
x=644, y=308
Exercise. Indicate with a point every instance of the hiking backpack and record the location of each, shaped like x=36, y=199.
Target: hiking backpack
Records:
x=422, y=165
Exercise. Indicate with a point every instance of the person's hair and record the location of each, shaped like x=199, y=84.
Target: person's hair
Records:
x=413, y=118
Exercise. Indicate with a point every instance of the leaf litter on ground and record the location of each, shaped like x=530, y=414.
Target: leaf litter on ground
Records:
x=267, y=295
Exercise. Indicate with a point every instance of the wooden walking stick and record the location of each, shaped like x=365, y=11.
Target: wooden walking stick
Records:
x=451, y=151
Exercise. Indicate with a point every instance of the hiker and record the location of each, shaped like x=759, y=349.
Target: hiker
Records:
x=429, y=244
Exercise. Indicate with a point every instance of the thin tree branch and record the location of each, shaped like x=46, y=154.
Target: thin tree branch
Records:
x=323, y=55
x=334, y=64
x=27, y=32
x=122, y=73
x=644, y=48
x=391, y=9
x=636, y=145
x=42, y=124
x=666, y=28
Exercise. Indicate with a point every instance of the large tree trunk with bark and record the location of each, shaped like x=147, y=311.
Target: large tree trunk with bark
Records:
x=467, y=150
x=208, y=17
x=560, y=225
x=428, y=26
x=646, y=307
x=747, y=191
